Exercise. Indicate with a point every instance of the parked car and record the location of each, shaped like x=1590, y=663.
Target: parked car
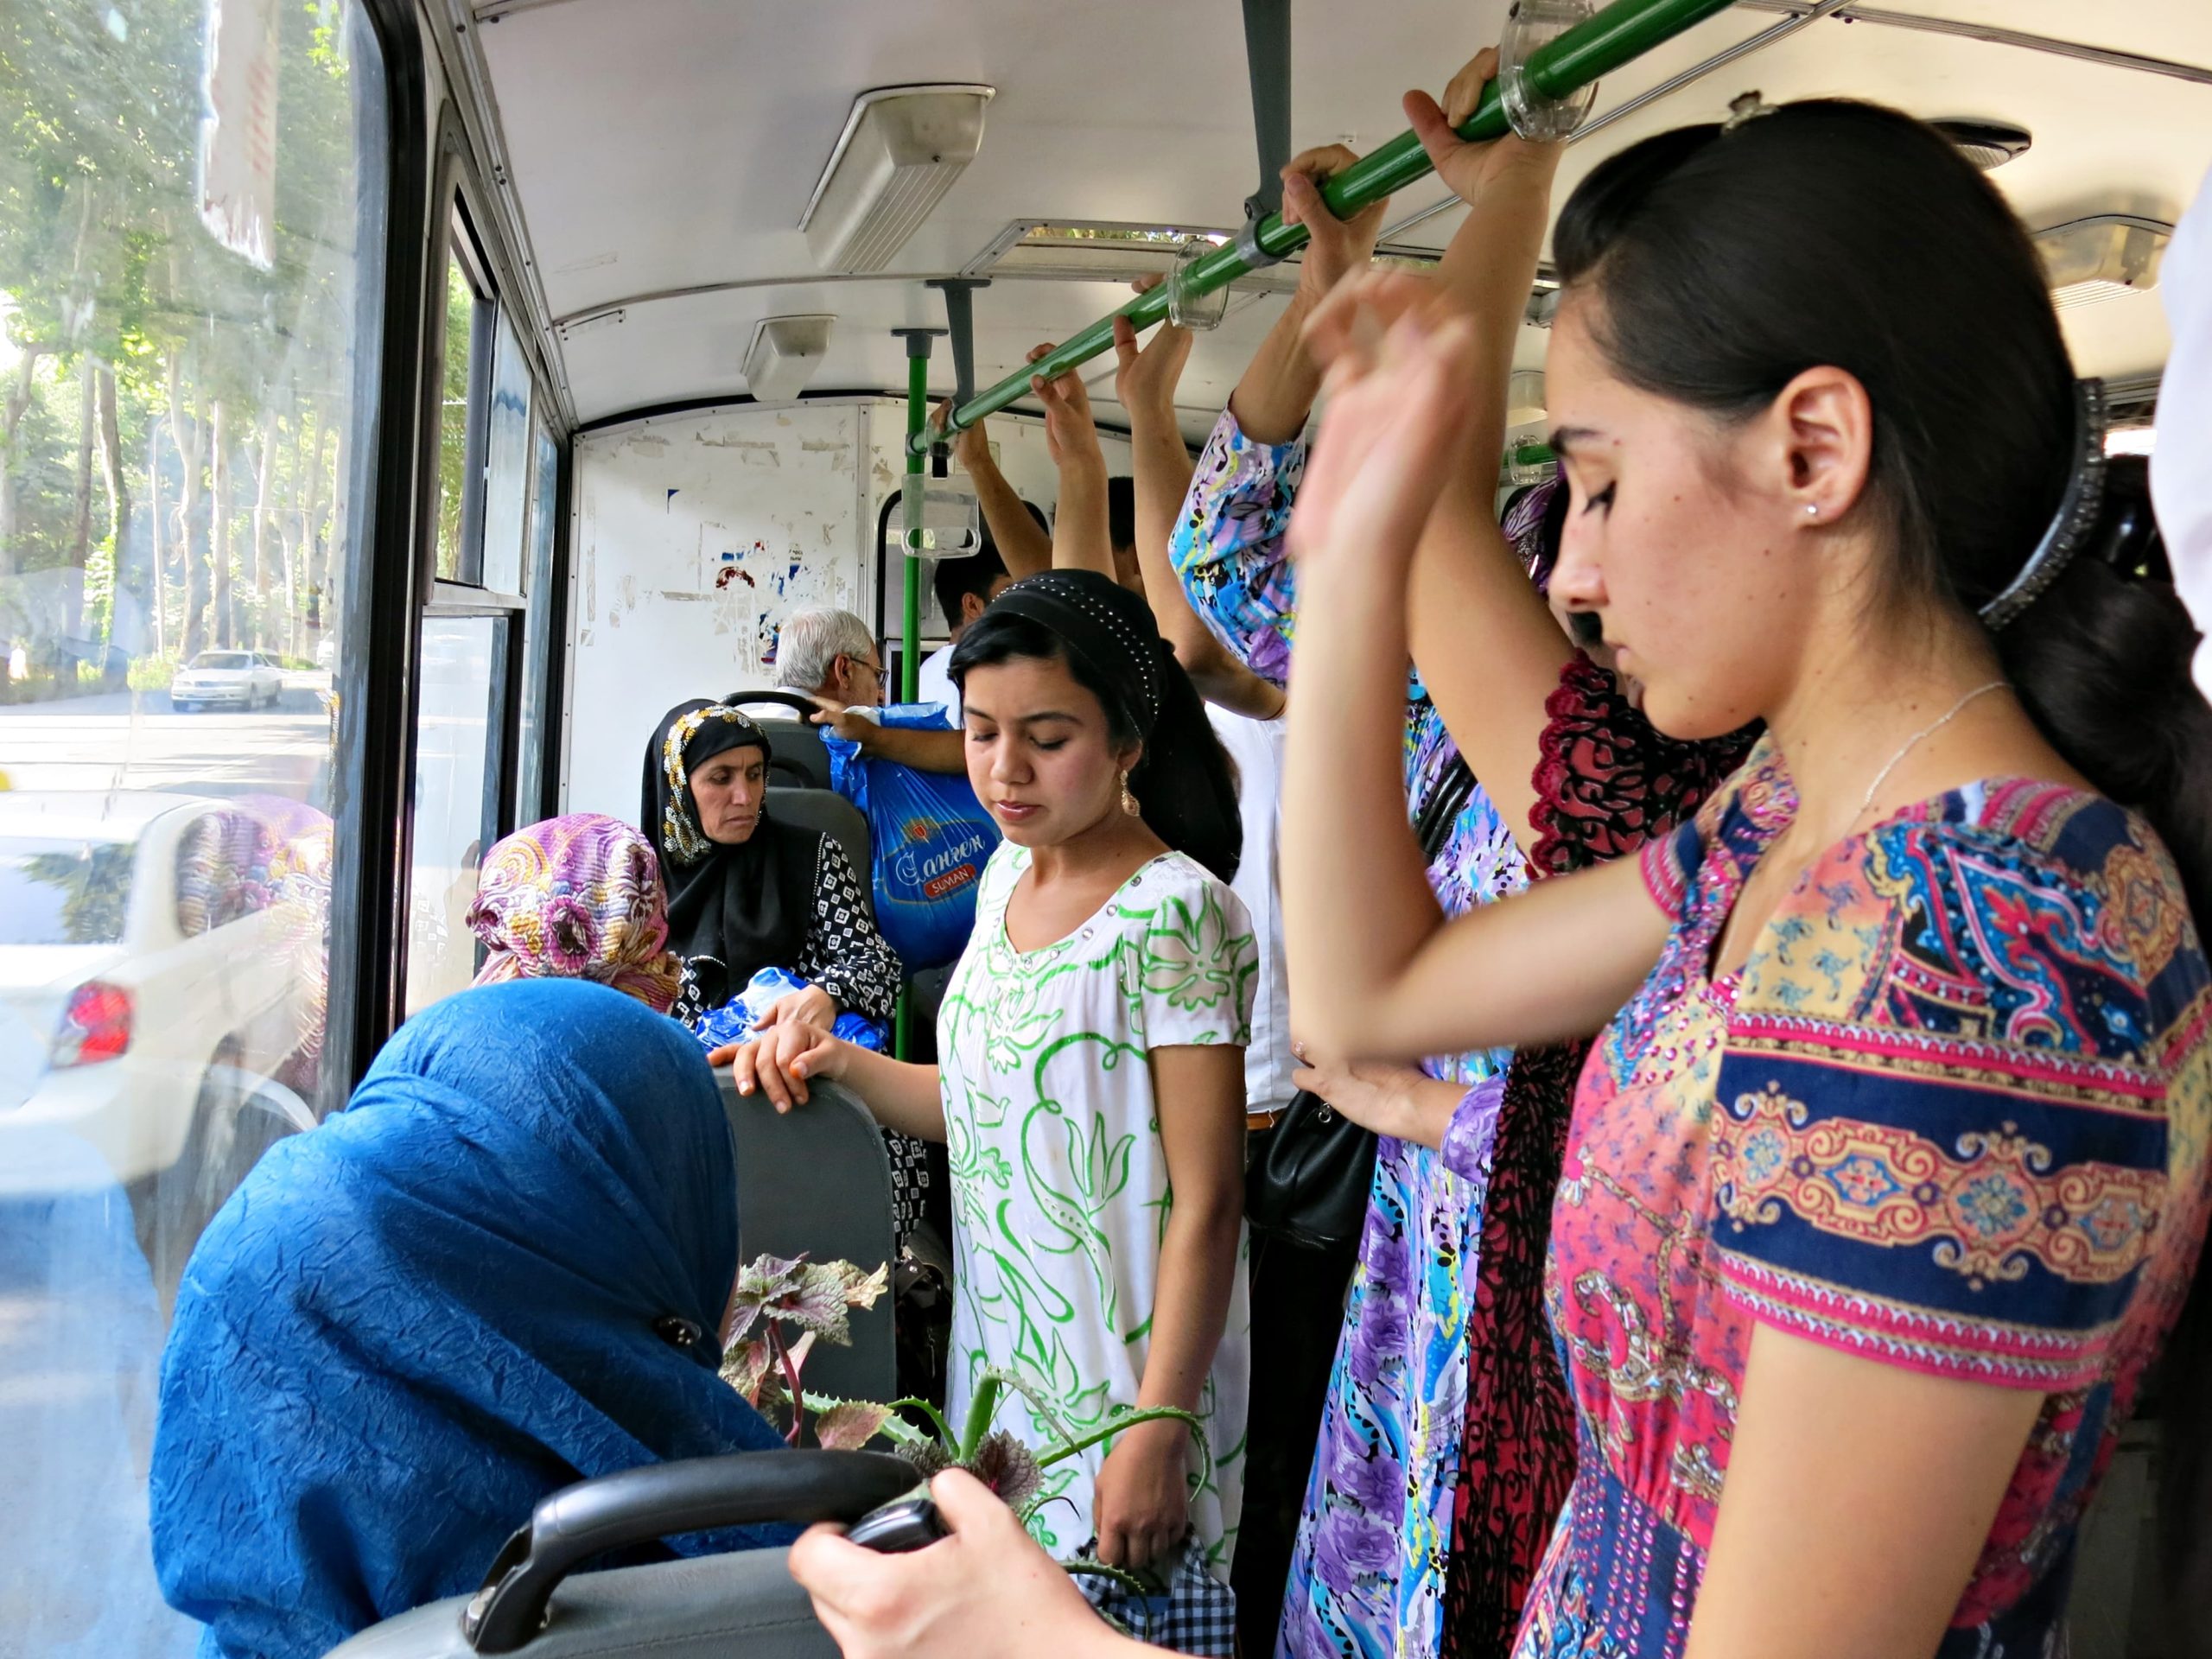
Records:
x=143, y=1008
x=326, y=652
x=243, y=679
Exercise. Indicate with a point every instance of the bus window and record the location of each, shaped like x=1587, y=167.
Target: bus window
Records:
x=456, y=798
x=460, y=425
x=191, y=272
x=530, y=728
x=506, y=468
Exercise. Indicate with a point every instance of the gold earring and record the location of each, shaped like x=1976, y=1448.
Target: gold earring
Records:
x=1128, y=801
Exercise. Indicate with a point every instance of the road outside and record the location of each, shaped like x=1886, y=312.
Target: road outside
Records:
x=135, y=740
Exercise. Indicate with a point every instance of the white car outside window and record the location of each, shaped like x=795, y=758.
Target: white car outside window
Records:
x=240, y=679
x=134, y=1015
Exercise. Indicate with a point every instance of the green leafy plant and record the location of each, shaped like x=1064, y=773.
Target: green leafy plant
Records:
x=781, y=1308
x=784, y=1307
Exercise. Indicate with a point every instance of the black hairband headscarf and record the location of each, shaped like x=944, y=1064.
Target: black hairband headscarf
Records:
x=1183, y=784
x=744, y=907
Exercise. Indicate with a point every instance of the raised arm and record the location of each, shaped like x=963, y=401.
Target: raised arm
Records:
x=1277, y=392
x=1160, y=465
x=1375, y=971
x=1081, y=537
x=1228, y=547
x=1488, y=648
x=1024, y=545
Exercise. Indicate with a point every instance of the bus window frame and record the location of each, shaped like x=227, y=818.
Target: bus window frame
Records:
x=434, y=192
x=546, y=654
x=465, y=248
x=375, y=674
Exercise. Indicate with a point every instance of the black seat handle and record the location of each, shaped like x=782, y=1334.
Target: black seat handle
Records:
x=660, y=1500
x=780, y=697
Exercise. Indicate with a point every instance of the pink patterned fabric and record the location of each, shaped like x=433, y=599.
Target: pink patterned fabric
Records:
x=1951, y=1115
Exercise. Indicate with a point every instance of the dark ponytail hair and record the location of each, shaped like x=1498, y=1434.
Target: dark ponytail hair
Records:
x=1724, y=262
x=1185, y=784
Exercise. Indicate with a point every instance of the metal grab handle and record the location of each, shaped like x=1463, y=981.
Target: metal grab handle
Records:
x=658, y=1501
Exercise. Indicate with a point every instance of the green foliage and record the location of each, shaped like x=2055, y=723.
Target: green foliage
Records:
x=152, y=673
x=106, y=267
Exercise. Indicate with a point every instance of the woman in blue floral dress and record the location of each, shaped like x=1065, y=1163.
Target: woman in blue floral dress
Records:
x=1367, y=1571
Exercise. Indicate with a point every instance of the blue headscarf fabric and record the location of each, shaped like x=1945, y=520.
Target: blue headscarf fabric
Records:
x=411, y=1324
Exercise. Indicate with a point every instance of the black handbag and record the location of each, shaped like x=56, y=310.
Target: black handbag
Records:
x=1308, y=1179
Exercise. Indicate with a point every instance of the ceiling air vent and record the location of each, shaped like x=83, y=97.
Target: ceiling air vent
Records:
x=1987, y=144
x=901, y=149
x=2087, y=260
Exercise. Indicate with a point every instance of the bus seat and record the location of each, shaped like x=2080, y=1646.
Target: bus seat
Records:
x=832, y=814
x=795, y=746
x=818, y=1179
x=733, y=1606
x=741, y=1606
x=927, y=988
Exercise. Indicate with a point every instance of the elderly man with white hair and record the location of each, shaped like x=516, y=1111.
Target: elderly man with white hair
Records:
x=829, y=655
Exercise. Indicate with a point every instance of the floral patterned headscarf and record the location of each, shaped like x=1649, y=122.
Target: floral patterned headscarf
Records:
x=578, y=897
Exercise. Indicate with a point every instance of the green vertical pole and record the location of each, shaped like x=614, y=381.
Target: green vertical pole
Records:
x=918, y=416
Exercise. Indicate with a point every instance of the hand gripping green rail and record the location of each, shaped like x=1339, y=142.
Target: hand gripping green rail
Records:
x=1620, y=33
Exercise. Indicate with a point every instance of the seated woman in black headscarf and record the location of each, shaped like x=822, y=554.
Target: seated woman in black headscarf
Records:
x=747, y=891
x=749, y=895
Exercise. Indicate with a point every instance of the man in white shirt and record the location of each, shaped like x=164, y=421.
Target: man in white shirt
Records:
x=964, y=587
x=1256, y=748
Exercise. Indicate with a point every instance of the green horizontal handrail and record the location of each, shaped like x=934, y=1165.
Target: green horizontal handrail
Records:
x=1621, y=33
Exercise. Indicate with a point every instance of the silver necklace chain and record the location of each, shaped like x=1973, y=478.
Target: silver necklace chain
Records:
x=1918, y=737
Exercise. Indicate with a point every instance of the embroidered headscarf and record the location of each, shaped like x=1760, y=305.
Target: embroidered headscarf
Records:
x=577, y=897
x=502, y=1269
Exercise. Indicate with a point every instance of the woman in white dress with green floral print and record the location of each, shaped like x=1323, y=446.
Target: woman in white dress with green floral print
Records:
x=1091, y=1086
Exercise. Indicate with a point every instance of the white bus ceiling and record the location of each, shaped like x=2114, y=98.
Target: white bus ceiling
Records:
x=662, y=151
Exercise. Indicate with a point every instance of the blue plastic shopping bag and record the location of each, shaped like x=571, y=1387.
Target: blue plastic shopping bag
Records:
x=932, y=837
x=737, y=1019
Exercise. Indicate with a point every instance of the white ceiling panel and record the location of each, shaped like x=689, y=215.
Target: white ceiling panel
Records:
x=671, y=144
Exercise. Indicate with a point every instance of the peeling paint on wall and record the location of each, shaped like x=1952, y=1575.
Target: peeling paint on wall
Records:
x=734, y=521
x=712, y=529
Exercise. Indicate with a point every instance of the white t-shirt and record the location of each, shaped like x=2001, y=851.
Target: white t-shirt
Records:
x=1256, y=746
x=933, y=683
x=2180, y=466
x=1059, y=1175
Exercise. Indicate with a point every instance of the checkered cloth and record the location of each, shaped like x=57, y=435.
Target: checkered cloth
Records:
x=1195, y=1611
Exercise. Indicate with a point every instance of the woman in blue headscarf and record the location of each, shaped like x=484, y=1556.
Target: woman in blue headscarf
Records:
x=502, y=1269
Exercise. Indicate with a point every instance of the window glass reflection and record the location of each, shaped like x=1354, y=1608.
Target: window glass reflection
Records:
x=187, y=339
x=455, y=800
x=506, y=472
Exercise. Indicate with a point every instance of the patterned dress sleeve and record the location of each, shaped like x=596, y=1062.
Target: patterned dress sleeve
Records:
x=1943, y=1137
x=1194, y=969
x=1229, y=550
x=844, y=954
